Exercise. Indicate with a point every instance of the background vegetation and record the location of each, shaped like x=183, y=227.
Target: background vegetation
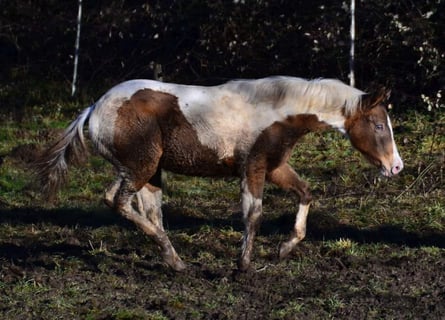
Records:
x=399, y=44
x=375, y=247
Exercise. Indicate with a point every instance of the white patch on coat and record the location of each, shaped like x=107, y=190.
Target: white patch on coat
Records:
x=150, y=205
x=300, y=222
x=249, y=203
x=252, y=209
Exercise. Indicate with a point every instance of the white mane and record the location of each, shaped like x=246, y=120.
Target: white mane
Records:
x=310, y=95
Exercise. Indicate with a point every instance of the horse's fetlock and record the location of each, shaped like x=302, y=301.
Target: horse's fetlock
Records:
x=300, y=236
x=306, y=197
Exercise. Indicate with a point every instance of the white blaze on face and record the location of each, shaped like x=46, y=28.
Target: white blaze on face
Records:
x=397, y=163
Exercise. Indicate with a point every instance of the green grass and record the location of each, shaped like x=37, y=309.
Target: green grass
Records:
x=374, y=248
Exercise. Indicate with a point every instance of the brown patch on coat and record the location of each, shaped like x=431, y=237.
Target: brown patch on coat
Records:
x=274, y=146
x=152, y=188
x=287, y=179
x=137, y=136
x=151, y=132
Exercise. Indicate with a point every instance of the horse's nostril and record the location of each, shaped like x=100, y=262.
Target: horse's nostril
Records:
x=396, y=169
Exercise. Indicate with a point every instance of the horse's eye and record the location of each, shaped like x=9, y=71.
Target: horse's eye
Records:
x=379, y=127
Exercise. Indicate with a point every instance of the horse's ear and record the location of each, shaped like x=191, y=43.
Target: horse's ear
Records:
x=377, y=97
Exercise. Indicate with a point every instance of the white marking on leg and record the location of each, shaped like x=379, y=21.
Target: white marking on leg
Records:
x=300, y=222
x=149, y=205
x=252, y=208
x=146, y=201
x=156, y=213
x=110, y=193
x=140, y=203
x=299, y=231
x=250, y=204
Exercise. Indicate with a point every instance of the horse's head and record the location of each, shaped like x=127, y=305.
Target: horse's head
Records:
x=370, y=131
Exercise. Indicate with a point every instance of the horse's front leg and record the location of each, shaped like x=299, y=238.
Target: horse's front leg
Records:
x=286, y=178
x=252, y=186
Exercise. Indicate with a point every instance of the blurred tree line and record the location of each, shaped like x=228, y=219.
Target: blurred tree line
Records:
x=400, y=44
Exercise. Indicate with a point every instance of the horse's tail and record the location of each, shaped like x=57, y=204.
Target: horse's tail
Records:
x=52, y=165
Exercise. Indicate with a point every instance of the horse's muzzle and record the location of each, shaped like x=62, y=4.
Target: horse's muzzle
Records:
x=395, y=169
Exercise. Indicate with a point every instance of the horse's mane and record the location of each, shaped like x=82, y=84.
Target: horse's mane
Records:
x=322, y=94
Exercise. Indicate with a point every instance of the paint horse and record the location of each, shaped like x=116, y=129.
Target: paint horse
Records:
x=243, y=128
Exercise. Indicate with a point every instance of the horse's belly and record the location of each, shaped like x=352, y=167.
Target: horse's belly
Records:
x=197, y=161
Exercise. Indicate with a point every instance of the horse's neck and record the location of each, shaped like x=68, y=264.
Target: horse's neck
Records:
x=336, y=121
x=326, y=110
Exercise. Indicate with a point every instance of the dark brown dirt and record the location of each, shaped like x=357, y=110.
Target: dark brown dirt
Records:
x=58, y=255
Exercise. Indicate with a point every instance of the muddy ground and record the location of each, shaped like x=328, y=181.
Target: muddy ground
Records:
x=54, y=267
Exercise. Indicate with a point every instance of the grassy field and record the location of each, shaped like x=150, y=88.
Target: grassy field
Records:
x=375, y=247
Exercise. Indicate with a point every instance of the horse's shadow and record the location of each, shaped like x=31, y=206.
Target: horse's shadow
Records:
x=332, y=229
x=320, y=227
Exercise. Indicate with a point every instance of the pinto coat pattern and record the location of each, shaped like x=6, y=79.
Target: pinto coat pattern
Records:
x=243, y=128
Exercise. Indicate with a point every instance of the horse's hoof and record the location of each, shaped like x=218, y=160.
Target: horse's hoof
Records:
x=243, y=265
x=177, y=264
x=174, y=262
x=285, y=250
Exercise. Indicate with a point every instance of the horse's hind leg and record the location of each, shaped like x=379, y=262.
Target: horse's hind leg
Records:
x=149, y=200
x=111, y=191
x=123, y=204
x=286, y=178
x=135, y=148
x=149, y=204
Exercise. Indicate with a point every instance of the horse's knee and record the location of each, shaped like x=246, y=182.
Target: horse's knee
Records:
x=305, y=194
x=306, y=198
